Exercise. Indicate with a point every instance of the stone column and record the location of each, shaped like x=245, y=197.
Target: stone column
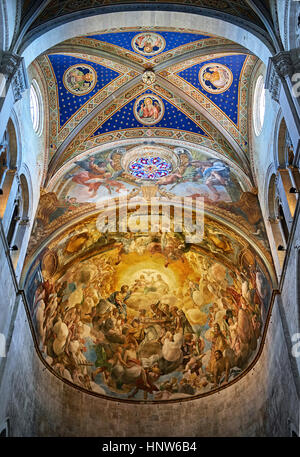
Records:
x=279, y=239
x=279, y=81
x=287, y=184
x=7, y=182
x=294, y=171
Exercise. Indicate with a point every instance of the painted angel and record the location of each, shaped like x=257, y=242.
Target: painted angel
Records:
x=95, y=175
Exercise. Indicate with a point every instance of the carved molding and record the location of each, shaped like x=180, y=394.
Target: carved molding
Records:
x=272, y=82
x=13, y=67
x=283, y=64
x=9, y=63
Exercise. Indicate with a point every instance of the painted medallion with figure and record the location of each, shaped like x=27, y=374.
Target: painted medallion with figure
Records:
x=148, y=43
x=215, y=78
x=80, y=79
x=148, y=109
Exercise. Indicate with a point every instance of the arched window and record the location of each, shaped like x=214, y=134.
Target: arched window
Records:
x=36, y=108
x=259, y=105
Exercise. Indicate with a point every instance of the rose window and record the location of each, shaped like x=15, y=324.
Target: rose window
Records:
x=150, y=168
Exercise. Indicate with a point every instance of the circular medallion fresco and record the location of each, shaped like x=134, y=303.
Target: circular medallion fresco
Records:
x=148, y=109
x=215, y=78
x=148, y=43
x=80, y=79
x=150, y=168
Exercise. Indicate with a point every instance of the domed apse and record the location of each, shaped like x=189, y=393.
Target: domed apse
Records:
x=148, y=316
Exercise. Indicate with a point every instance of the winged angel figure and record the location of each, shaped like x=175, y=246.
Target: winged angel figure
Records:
x=95, y=174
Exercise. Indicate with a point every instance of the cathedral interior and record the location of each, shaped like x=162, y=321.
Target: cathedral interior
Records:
x=149, y=205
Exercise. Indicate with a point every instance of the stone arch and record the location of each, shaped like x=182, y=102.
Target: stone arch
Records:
x=10, y=12
x=4, y=32
x=24, y=202
x=274, y=218
x=38, y=43
x=281, y=156
x=10, y=159
x=283, y=159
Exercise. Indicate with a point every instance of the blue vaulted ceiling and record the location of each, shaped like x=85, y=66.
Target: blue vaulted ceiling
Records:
x=227, y=106
x=228, y=101
x=173, y=39
x=68, y=102
x=173, y=119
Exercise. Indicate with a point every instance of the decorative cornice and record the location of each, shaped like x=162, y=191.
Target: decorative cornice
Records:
x=9, y=63
x=283, y=63
x=13, y=67
x=272, y=81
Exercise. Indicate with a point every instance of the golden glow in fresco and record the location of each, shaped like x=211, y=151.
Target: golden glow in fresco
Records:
x=148, y=316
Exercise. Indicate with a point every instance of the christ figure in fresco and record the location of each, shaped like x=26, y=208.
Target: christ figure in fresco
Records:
x=148, y=109
x=148, y=42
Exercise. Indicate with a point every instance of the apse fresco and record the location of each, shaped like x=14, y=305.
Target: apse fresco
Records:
x=144, y=172
x=182, y=173
x=147, y=316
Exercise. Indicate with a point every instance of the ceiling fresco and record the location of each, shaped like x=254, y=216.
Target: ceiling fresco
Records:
x=209, y=101
x=77, y=81
x=104, y=177
x=149, y=109
x=132, y=308
x=82, y=83
x=219, y=80
x=133, y=56
x=148, y=44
